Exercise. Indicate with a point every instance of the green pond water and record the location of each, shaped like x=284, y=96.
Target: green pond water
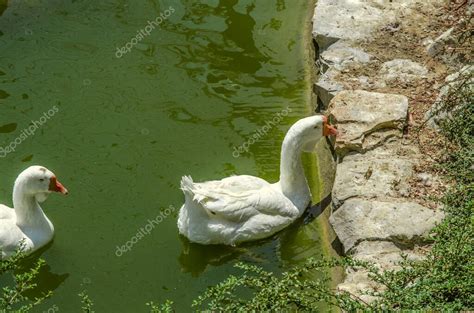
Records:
x=122, y=128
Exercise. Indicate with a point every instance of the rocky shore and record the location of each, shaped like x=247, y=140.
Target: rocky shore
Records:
x=369, y=80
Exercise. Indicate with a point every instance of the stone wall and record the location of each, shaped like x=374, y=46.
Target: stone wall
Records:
x=372, y=216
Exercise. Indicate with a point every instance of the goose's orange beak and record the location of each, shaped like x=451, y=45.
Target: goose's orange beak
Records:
x=328, y=129
x=55, y=185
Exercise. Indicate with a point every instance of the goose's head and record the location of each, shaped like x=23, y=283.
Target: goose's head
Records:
x=38, y=181
x=309, y=130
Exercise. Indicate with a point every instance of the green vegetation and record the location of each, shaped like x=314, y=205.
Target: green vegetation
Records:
x=458, y=128
x=87, y=304
x=294, y=291
x=13, y=296
x=167, y=307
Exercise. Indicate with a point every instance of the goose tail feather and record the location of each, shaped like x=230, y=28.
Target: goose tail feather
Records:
x=187, y=185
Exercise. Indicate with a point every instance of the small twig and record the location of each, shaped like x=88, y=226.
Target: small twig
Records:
x=461, y=5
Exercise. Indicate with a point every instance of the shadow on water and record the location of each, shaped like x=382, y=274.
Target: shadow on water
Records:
x=195, y=258
x=3, y=6
x=316, y=210
x=46, y=279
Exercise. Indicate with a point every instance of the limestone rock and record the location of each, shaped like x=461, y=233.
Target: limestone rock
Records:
x=327, y=87
x=350, y=20
x=402, y=70
x=404, y=223
x=365, y=120
x=425, y=178
x=435, y=114
x=357, y=20
x=438, y=45
x=358, y=283
x=385, y=255
x=340, y=54
x=332, y=61
x=376, y=174
x=363, y=81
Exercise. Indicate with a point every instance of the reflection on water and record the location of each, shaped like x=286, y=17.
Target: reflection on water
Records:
x=221, y=52
x=128, y=128
x=196, y=258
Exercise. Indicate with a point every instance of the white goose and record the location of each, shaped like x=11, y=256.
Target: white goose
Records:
x=243, y=208
x=26, y=222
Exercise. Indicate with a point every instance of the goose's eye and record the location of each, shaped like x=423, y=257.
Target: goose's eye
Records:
x=317, y=126
x=41, y=179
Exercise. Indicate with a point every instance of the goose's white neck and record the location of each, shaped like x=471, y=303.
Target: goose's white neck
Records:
x=29, y=214
x=293, y=181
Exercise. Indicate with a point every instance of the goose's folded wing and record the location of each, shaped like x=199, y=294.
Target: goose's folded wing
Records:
x=237, y=198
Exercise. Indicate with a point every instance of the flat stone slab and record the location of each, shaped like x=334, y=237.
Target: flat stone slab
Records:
x=340, y=54
x=379, y=173
x=401, y=70
x=405, y=223
x=366, y=120
x=358, y=283
x=384, y=254
x=357, y=20
x=337, y=57
x=342, y=19
x=371, y=176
